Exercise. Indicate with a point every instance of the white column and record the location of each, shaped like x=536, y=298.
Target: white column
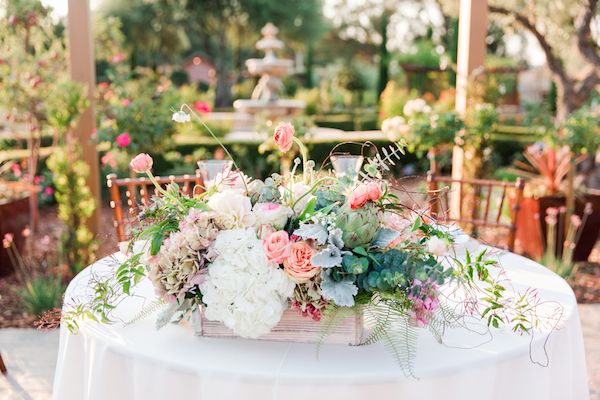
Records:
x=472, y=31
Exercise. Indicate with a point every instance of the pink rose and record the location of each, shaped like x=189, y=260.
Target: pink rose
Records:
x=298, y=265
x=374, y=191
x=141, y=163
x=48, y=191
x=123, y=140
x=277, y=246
x=363, y=193
x=284, y=136
x=125, y=102
x=202, y=107
x=358, y=197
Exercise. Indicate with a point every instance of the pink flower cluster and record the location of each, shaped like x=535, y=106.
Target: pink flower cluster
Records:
x=363, y=193
x=307, y=310
x=424, y=302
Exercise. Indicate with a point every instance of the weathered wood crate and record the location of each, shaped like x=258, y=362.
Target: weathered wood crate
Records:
x=293, y=327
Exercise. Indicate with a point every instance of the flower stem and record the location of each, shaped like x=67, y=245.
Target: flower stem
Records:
x=312, y=188
x=304, y=154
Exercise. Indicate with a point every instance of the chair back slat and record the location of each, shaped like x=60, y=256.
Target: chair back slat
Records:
x=129, y=195
x=483, y=194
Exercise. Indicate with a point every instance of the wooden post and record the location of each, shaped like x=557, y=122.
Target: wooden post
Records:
x=472, y=31
x=81, y=57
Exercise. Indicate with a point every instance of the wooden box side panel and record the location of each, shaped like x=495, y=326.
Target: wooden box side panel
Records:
x=293, y=327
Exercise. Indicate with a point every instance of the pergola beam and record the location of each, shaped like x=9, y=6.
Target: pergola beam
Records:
x=82, y=68
x=472, y=31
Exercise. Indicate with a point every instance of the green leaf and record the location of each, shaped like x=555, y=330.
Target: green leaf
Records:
x=155, y=244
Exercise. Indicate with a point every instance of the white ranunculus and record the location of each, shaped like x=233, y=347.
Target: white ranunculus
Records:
x=242, y=288
x=437, y=246
x=233, y=209
x=272, y=214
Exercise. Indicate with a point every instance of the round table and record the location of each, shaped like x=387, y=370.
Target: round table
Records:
x=137, y=362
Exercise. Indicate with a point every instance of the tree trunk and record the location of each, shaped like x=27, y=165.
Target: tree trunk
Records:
x=384, y=56
x=223, y=89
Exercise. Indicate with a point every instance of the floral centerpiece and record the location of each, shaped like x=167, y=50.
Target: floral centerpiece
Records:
x=323, y=245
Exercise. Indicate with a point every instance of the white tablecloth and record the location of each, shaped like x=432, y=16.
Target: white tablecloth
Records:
x=137, y=362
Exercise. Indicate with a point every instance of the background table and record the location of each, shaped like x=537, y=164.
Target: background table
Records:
x=137, y=362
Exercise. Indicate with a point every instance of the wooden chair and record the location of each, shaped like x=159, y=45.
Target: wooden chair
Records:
x=3, y=369
x=138, y=193
x=489, y=201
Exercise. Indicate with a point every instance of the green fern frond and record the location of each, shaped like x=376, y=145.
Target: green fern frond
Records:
x=332, y=316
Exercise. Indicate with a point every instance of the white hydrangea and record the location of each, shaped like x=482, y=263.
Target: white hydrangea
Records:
x=243, y=289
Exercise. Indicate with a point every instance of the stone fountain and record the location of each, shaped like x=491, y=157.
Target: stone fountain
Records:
x=265, y=99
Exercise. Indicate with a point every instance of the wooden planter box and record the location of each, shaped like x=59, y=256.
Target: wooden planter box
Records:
x=531, y=225
x=14, y=217
x=293, y=327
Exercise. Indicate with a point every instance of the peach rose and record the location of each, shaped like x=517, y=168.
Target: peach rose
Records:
x=141, y=163
x=298, y=265
x=363, y=193
x=277, y=246
x=284, y=136
x=374, y=191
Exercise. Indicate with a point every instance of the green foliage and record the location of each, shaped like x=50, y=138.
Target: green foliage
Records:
x=581, y=132
x=393, y=99
x=41, y=293
x=392, y=327
x=75, y=205
x=431, y=131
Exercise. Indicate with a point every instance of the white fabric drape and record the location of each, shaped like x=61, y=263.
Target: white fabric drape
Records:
x=137, y=362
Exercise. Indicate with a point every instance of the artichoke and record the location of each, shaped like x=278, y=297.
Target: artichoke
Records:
x=359, y=226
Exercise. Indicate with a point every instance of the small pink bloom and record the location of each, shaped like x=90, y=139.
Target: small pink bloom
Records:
x=374, y=191
x=118, y=58
x=8, y=239
x=358, y=197
x=141, y=163
x=16, y=170
x=125, y=102
x=48, y=191
x=552, y=211
x=575, y=221
x=284, y=136
x=298, y=265
x=109, y=159
x=123, y=140
x=277, y=246
x=37, y=180
x=202, y=107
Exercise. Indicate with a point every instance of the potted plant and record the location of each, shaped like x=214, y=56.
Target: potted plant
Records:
x=14, y=216
x=550, y=168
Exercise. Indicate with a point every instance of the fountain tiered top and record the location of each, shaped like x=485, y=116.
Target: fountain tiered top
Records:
x=265, y=97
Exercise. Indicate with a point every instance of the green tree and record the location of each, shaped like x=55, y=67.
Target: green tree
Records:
x=563, y=29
